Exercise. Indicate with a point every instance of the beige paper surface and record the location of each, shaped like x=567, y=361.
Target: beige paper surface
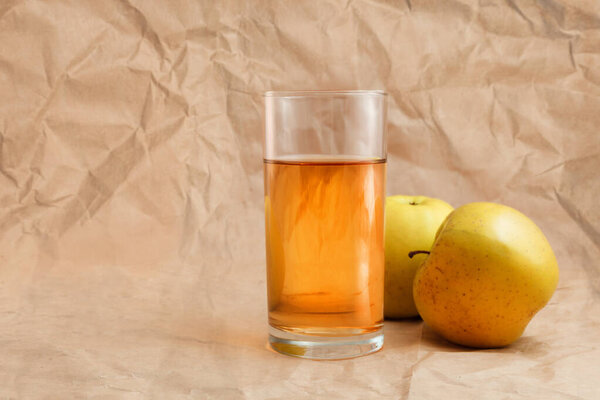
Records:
x=131, y=210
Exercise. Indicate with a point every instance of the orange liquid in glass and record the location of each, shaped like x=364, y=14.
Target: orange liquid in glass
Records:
x=324, y=233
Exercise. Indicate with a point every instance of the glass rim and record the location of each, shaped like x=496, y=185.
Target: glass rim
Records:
x=322, y=93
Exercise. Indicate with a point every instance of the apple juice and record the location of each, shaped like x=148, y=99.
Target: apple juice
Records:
x=325, y=249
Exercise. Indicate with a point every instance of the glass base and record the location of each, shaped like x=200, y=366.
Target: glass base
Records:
x=325, y=348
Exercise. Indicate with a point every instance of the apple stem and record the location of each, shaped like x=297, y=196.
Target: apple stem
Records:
x=415, y=252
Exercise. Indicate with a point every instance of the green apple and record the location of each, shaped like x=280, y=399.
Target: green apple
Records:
x=410, y=224
x=489, y=272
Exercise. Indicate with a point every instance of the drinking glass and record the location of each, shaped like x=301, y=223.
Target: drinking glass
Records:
x=324, y=175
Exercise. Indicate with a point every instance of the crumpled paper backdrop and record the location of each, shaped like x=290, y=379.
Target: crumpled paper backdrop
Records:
x=131, y=209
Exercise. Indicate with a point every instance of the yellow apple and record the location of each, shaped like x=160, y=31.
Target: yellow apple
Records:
x=489, y=272
x=410, y=224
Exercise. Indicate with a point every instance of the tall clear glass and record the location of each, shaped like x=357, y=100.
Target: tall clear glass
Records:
x=324, y=170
